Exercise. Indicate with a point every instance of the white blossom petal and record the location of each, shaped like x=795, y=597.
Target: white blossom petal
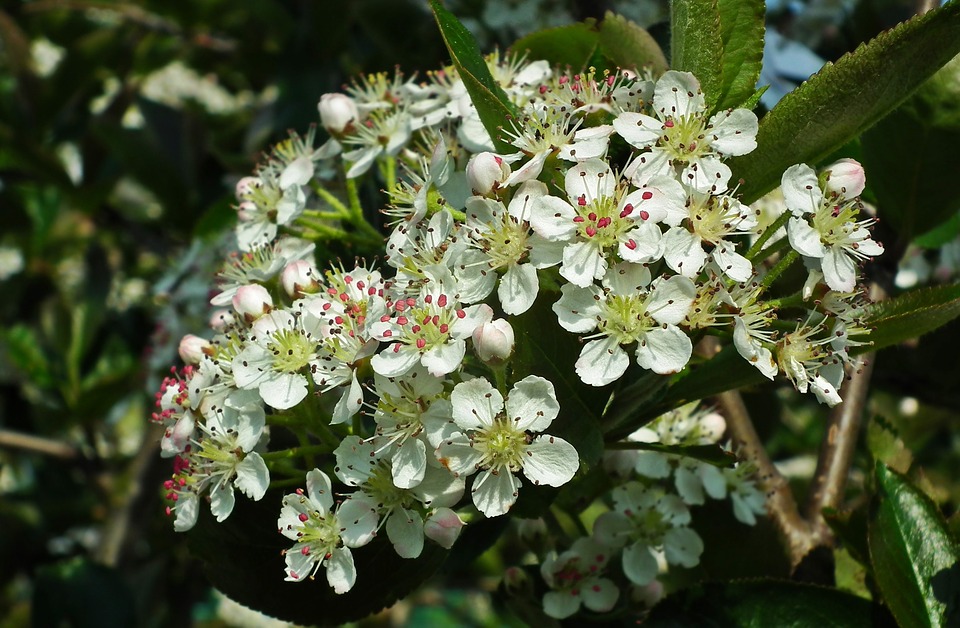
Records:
x=494, y=493
x=532, y=404
x=405, y=531
x=664, y=350
x=550, y=460
x=518, y=288
x=253, y=478
x=602, y=362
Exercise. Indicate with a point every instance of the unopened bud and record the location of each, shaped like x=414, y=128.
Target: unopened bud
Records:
x=486, y=172
x=443, y=527
x=246, y=211
x=338, y=113
x=252, y=301
x=221, y=319
x=299, y=278
x=516, y=581
x=493, y=341
x=246, y=186
x=177, y=436
x=192, y=349
x=846, y=178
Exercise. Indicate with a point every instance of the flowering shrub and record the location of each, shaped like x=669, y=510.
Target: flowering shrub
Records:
x=556, y=282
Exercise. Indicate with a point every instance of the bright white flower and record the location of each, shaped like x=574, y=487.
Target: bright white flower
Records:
x=681, y=141
x=258, y=265
x=397, y=509
x=646, y=521
x=381, y=133
x=810, y=363
x=824, y=227
x=276, y=201
x=494, y=341
x=752, y=334
x=575, y=578
x=486, y=173
x=496, y=440
x=443, y=527
x=602, y=219
x=627, y=310
x=324, y=537
x=416, y=249
x=338, y=113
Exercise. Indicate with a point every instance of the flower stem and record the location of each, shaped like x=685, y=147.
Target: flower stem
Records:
x=767, y=234
x=331, y=199
x=778, y=269
x=295, y=452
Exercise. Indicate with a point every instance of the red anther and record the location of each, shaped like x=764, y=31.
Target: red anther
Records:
x=592, y=216
x=396, y=347
x=564, y=80
x=442, y=301
x=591, y=231
x=668, y=124
x=302, y=516
x=631, y=244
x=344, y=297
x=387, y=333
x=582, y=200
x=435, y=320
x=627, y=210
x=299, y=491
x=168, y=510
x=306, y=550
x=386, y=319
x=644, y=214
x=347, y=279
x=332, y=291
x=338, y=320
x=461, y=314
x=610, y=80
x=646, y=196
x=578, y=219
x=168, y=484
x=416, y=329
x=402, y=320
x=421, y=343
x=361, y=285
x=428, y=299
x=411, y=301
x=444, y=328
x=603, y=222
x=543, y=89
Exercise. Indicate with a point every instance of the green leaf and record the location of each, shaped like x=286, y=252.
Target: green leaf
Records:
x=573, y=45
x=911, y=315
x=696, y=45
x=242, y=558
x=905, y=153
x=629, y=46
x=82, y=594
x=741, y=30
x=916, y=562
x=22, y=348
x=760, y=604
x=488, y=97
x=846, y=98
x=937, y=237
x=850, y=528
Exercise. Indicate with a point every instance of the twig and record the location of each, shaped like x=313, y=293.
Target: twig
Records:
x=38, y=444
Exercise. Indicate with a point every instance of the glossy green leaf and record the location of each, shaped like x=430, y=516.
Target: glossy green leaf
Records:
x=628, y=45
x=488, y=97
x=907, y=182
x=846, y=98
x=573, y=45
x=916, y=561
x=761, y=604
x=911, y=315
x=242, y=558
x=696, y=44
x=741, y=31
x=940, y=235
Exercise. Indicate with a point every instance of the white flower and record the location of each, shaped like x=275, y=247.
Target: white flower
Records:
x=324, y=537
x=486, y=172
x=497, y=441
x=629, y=309
x=259, y=265
x=575, y=578
x=810, y=363
x=381, y=133
x=338, y=113
x=646, y=521
x=494, y=341
x=681, y=140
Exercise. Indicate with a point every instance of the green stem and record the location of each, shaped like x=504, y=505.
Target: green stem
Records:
x=296, y=452
x=776, y=247
x=331, y=199
x=322, y=230
x=767, y=234
x=388, y=171
x=777, y=270
x=356, y=213
x=794, y=300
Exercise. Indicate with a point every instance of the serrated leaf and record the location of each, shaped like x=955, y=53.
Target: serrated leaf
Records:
x=488, y=97
x=696, y=45
x=916, y=561
x=904, y=152
x=911, y=315
x=573, y=45
x=844, y=99
x=242, y=558
x=886, y=446
x=741, y=32
x=761, y=604
x=629, y=46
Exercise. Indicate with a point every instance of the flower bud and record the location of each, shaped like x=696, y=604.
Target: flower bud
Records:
x=516, y=581
x=252, y=301
x=246, y=211
x=443, y=527
x=221, y=319
x=245, y=186
x=338, y=113
x=493, y=341
x=192, y=349
x=177, y=436
x=299, y=278
x=486, y=172
x=846, y=178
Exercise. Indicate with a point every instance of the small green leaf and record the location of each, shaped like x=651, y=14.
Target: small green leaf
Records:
x=916, y=561
x=761, y=604
x=488, y=97
x=696, y=45
x=629, y=46
x=23, y=349
x=911, y=315
x=844, y=99
x=573, y=45
x=741, y=30
x=886, y=446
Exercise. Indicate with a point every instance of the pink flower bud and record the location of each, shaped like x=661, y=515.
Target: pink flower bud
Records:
x=443, y=527
x=221, y=319
x=246, y=211
x=486, y=172
x=299, y=278
x=516, y=580
x=245, y=186
x=493, y=341
x=252, y=302
x=846, y=178
x=192, y=349
x=338, y=113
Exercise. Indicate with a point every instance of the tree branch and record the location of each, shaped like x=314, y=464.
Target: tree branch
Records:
x=38, y=444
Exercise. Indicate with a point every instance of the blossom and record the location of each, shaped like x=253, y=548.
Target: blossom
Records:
x=494, y=341
x=323, y=536
x=806, y=358
x=681, y=140
x=628, y=309
x=497, y=440
x=575, y=578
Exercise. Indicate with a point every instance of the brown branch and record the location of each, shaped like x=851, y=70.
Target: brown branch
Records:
x=38, y=444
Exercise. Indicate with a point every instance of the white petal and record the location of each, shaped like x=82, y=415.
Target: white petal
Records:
x=642, y=244
x=639, y=565
x=253, y=478
x=443, y=527
x=444, y=358
x=552, y=218
x=560, y=604
x=683, y=251
x=734, y=131
x=678, y=94
x=602, y=362
x=283, y=390
x=350, y=402
x=601, y=596
x=405, y=531
x=494, y=494
x=319, y=489
x=805, y=239
x=358, y=520
x=299, y=172
x=409, y=463
x=188, y=508
x=671, y=300
x=439, y=488
x=707, y=174
x=341, y=571
x=475, y=404
x=801, y=190
x=733, y=265
x=391, y=363
x=652, y=464
x=839, y=271
x=637, y=129
x=550, y=460
x=626, y=279
x=532, y=404
x=578, y=308
x=299, y=565
x=689, y=486
x=582, y=263
x=682, y=546
x=222, y=501
x=591, y=179
x=648, y=166
x=664, y=351
x=518, y=288
x=528, y=171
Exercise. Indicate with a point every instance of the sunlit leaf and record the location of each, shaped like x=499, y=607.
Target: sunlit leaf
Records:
x=911, y=315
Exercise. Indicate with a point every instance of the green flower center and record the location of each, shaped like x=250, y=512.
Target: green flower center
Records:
x=292, y=350
x=683, y=138
x=502, y=445
x=625, y=318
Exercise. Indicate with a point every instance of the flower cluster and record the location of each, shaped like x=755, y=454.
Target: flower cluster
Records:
x=613, y=206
